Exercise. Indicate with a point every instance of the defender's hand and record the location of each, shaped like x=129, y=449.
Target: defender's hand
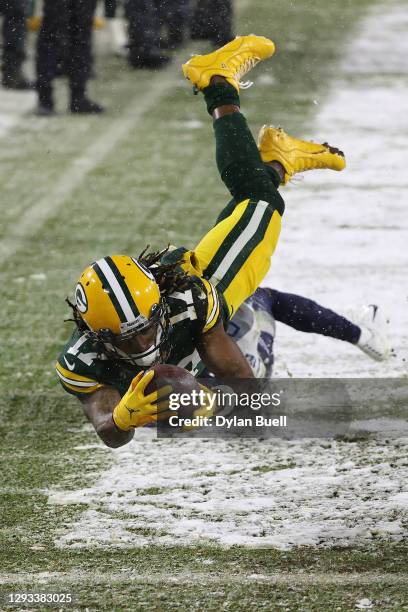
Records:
x=136, y=409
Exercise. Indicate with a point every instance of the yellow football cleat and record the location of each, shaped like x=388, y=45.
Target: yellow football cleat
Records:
x=297, y=155
x=231, y=61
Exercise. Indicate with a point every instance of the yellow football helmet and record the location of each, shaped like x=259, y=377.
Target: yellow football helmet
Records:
x=119, y=300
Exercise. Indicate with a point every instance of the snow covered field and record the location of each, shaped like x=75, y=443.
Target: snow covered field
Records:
x=353, y=228
x=276, y=493
x=353, y=225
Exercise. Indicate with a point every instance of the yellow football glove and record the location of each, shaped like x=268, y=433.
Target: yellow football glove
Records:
x=136, y=409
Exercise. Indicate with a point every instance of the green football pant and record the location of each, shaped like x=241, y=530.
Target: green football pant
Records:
x=236, y=253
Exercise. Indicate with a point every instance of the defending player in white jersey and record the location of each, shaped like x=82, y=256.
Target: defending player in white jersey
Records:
x=254, y=324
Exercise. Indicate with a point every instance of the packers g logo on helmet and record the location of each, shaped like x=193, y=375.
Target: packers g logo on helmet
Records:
x=80, y=299
x=118, y=298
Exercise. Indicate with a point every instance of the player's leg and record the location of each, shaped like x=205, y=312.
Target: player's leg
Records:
x=14, y=13
x=229, y=208
x=79, y=60
x=235, y=255
x=50, y=46
x=254, y=174
x=308, y=316
x=144, y=35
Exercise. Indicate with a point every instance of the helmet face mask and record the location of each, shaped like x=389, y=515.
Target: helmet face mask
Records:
x=121, y=305
x=145, y=345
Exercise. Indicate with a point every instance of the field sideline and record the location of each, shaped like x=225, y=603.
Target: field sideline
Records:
x=305, y=525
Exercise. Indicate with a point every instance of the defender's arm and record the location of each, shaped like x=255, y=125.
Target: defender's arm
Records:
x=222, y=355
x=98, y=408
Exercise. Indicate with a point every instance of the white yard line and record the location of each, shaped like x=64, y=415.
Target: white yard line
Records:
x=32, y=220
x=131, y=576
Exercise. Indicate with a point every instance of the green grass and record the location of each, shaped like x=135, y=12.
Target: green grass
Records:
x=212, y=578
x=158, y=185
x=221, y=596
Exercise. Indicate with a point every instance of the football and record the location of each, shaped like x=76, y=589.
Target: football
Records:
x=179, y=379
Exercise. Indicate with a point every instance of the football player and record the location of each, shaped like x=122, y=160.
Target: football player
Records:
x=254, y=324
x=172, y=307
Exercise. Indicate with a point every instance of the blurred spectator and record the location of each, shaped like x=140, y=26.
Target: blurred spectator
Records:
x=210, y=23
x=173, y=16
x=65, y=36
x=14, y=33
x=144, y=34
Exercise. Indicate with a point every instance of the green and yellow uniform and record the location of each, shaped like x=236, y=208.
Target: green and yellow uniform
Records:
x=192, y=312
x=226, y=267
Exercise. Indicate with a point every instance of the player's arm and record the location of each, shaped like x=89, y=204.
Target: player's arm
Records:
x=98, y=408
x=98, y=400
x=114, y=417
x=221, y=355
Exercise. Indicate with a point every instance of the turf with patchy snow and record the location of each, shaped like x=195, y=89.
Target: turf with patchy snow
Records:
x=277, y=493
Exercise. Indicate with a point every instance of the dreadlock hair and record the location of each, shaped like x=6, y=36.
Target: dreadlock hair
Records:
x=169, y=277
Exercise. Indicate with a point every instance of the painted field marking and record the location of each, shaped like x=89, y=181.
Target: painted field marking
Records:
x=130, y=576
